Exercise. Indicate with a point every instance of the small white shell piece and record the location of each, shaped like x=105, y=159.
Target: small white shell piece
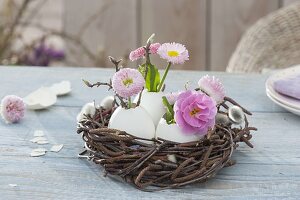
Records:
x=61, y=88
x=40, y=99
x=56, y=147
x=38, y=152
x=37, y=139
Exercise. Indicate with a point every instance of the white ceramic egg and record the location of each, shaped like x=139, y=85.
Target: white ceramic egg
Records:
x=152, y=103
x=61, y=88
x=135, y=121
x=40, y=99
x=107, y=102
x=173, y=133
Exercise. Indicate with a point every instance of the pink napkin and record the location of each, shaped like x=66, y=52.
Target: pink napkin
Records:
x=288, y=86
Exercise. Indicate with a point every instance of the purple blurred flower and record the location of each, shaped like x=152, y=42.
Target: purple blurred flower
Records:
x=12, y=108
x=195, y=112
x=42, y=55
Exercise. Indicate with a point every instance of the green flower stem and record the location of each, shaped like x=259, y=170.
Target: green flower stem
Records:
x=164, y=77
x=129, y=103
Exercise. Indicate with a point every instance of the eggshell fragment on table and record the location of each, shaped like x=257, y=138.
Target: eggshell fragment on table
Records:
x=56, y=148
x=62, y=88
x=40, y=99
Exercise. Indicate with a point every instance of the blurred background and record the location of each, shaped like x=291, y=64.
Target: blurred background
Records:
x=83, y=33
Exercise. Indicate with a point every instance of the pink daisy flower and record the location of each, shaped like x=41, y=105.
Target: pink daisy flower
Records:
x=173, y=52
x=12, y=108
x=137, y=54
x=172, y=97
x=128, y=82
x=213, y=87
x=154, y=47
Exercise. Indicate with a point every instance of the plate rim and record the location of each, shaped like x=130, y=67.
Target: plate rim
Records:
x=270, y=90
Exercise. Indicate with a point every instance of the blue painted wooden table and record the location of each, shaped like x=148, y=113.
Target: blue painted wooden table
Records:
x=269, y=171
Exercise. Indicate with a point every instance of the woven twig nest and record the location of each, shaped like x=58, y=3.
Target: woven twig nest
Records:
x=163, y=164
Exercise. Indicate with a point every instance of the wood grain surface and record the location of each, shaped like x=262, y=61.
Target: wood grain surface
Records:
x=269, y=171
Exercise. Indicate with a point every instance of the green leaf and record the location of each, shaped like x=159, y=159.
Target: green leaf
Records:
x=152, y=78
x=142, y=69
x=169, y=116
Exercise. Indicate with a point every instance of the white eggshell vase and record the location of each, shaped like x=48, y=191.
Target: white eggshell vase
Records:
x=135, y=121
x=152, y=103
x=173, y=133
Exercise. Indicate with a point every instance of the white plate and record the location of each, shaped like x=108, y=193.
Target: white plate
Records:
x=287, y=101
x=291, y=109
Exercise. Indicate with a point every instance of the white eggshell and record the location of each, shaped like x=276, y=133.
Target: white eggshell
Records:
x=107, y=102
x=173, y=133
x=61, y=88
x=152, y=103
x=135, y=121
x=40, y=99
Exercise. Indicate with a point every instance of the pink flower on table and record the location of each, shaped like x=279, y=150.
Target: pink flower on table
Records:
x=213, y=87
x=12, y=108
x=154, y=47
x=173, y=52
x=195, y=112
x=137, y=54
x=128, y=82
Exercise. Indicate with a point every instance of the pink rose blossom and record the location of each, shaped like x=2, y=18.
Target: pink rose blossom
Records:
x=195, y=112
x=137, y=54
x=12, y=108
x=154, y=47
x=128, y=82
x=213, y=87
x=173, y=52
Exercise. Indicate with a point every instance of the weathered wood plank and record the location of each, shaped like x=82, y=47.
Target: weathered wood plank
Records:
x=229, y=19
x=178, y=21
x=269, y=171
x=112, y=30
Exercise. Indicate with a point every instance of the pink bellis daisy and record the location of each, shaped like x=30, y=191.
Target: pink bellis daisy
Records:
x=140, y=52
x=174, y=53
x=154, y=47
x=213, y=87
x=195, y=112
x=12, y=108
x=137, y=54
x=172, y=97
x=127, y=82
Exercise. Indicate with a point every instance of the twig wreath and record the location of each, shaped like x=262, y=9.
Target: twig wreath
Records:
x=160, y=140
